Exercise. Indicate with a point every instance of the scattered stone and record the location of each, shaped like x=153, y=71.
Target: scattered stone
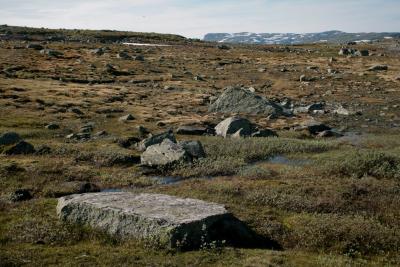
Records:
x=123, y=55
x=378, y=68
x=79, y=136
x=21, y=148
x=160, y=220
x=156, y=139
x=76, y=111
x=21, y=195
x=264, y=133
x=35, y=46
x=191, y=130
x=362, y=53
x=128, y=142
x=52, y=126
x=240, y=100
x=101, y=134
x=314, y=127
x=304, y=78
x=142, y=131
x=165, y=154
x=328, y=133
x=198, y=78
x=139, y=58
x=51, y=53
x=97, y=51
x=9, y=138
x=43, y=150
x=193, y=148
x=223, y=47
x=346, y=51
x=232, y=125
x=345, y=112
x=125, y=118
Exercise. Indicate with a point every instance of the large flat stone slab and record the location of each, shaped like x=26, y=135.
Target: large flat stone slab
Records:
x=163, y=220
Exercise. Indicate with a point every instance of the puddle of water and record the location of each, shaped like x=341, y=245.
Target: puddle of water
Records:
x=139, y=44
x=165, y=180
x=290, y=162
x=111, y=190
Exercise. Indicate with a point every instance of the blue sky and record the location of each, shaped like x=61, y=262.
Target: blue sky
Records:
x=194, y=18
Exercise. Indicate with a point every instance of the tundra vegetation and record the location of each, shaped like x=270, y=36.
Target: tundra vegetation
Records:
x=324, y=197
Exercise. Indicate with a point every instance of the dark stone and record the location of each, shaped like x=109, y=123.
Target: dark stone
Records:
x=21, y=195
x=20, y=148
x=191, y=130
x=264, y=133
x=9, y=138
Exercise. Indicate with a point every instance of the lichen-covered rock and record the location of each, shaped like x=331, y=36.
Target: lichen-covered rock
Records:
x=193, y=148
x=232, y=125
x=9, y=138
x=156, y=139
x=165, y=154
x=241, y=100
x=21, y=148
x=161, y=220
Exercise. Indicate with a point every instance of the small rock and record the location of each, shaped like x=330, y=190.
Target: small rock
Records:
x=21, y=195
x=164, y=154
x=51, y=53
x=223, y=47
x=233, y=124
x=142, y=131
x=314, y=127
x=156, y=139
x=193, y=148
x=52, y=126
x=21, y=148
x=139, y=58
x=264, y=133
x=76, y=111
x=125, y=118
x=123, y=55
x=378, y=68
x=43, y=150
x=328, y=133
x=191, y=130
x=35, y=46
x=9, y=138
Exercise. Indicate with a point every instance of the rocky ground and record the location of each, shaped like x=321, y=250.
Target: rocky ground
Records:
x=299, y=143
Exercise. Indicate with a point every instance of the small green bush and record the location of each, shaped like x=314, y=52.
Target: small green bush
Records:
x=365, y=163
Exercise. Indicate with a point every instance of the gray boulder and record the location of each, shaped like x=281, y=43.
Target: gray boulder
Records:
x=21, y=148
x=159, y=220
x=240, y=100
x=232, y=125
x=165, y=154
x=156, y=139
x=9, y=138
x=193, y=148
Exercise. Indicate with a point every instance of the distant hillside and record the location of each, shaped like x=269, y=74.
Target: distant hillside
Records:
x=295, y=38
x=104, y=36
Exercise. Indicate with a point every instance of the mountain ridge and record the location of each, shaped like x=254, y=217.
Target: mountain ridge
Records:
x=333, y=36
